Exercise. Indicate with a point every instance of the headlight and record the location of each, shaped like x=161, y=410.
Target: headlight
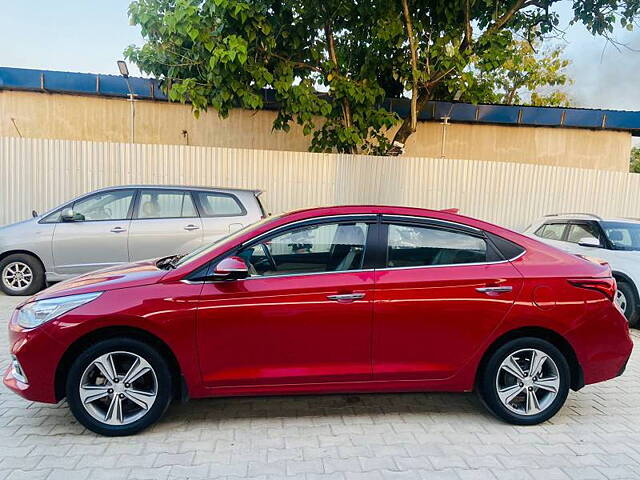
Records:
x=35, y=314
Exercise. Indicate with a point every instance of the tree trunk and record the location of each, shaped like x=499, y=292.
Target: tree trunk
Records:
x=331, y=49
x=406, y=129
x=414, y=64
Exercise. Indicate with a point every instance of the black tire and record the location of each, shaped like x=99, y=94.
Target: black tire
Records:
x=488, y=389
x=119, y=344
x=631, y=307
x=33, y=265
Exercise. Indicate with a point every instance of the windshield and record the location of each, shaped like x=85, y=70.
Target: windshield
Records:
x=623, y=235
x=205, y=249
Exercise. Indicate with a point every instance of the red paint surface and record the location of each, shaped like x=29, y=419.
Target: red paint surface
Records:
x=415, y=329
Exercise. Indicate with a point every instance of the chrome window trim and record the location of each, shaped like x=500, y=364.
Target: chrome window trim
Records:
x=374, y=217
x=389, y=217
x=262, y=277
x=327, y=219
x=474, y=264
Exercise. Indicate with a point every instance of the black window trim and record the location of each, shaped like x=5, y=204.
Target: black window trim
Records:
x=602, y=236
x=423, y=222
x=373, y=220
x=375, y=245
x=200, y=209
x=135, y=211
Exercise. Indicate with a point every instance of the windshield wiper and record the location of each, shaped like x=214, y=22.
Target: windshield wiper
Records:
x=168, y=263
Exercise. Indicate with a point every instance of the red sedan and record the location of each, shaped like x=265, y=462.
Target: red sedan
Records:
x=343, y=299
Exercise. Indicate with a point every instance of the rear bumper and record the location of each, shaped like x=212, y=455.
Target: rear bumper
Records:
x=602, y=343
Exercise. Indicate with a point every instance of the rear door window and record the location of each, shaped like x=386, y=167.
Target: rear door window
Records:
x=579, y=231
x=415, y=246
x=165, y=204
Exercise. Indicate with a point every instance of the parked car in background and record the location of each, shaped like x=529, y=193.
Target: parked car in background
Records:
x=614, y=240
x=118, y=225
x=339, y=299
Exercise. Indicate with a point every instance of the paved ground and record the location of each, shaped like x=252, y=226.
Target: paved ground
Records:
x=401, y=436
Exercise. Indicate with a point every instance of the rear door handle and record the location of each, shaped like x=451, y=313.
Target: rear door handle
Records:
x=346, y=297
x=490, y=290
x=191, y=227
x=118, y=230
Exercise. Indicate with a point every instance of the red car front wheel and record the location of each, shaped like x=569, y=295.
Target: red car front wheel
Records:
x=119, y=387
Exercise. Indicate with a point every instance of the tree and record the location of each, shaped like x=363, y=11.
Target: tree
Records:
x=529, y=75
x=223, y=53
x=634, y=163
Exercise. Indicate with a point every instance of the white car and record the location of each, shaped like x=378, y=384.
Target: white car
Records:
x=615, y=240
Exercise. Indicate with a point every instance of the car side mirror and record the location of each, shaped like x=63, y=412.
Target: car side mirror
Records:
x=589, y=242
x=68, y=215
x=231, y=268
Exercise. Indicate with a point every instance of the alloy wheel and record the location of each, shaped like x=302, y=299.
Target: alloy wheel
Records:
x=17, y=276
x=621, y=300
x=528, y=381
x=118, y=388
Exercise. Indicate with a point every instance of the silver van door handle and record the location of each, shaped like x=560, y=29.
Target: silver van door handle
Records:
x=118, y=230
x=490, y=290
x=191, y=227
x=346, y=298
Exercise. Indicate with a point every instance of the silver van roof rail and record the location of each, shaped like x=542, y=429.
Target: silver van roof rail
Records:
x=592, y=215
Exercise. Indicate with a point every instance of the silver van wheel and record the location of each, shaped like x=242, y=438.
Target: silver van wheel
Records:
x=118, y=388
x=17, y=276
x=527, y=381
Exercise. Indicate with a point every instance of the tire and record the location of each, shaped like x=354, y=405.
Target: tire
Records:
x=522, y=407
x=131, y=418
x=630, y=305
x=21, y=274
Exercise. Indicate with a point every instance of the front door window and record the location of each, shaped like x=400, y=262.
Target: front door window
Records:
x=334, y=247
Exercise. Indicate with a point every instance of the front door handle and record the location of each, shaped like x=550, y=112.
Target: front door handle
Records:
x=496, y=290
x=346, y=297
x=191, y=227
x=118, y=230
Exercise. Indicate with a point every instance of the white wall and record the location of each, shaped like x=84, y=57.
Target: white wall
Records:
x=40, y=174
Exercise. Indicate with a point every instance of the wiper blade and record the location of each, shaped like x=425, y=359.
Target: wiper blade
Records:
x=174, y=260
x=166, y=263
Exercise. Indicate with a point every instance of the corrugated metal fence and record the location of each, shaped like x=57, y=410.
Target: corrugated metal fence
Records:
x=40, y=174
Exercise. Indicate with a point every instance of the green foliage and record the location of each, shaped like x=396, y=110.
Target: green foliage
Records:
x=529, y=75
x=224, y=53
x=634, y=163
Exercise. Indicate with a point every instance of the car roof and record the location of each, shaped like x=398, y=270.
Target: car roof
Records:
x=183, y=187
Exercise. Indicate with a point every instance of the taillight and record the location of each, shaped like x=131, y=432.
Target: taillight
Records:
x=606, y=285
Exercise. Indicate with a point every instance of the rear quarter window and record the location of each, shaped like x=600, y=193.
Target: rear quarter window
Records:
x=214, y=204
x=551, y=231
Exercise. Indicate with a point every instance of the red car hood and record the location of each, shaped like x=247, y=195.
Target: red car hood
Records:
x=121, y=276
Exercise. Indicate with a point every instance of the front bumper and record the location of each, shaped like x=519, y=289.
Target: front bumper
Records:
x=38, y=355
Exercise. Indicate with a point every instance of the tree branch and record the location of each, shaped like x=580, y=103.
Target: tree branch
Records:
x=468, y=29
x=331, y=49
x=414, y=64
x=505, y=18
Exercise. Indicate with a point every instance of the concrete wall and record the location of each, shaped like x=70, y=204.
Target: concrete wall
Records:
x=40, y=174
x=102, y=119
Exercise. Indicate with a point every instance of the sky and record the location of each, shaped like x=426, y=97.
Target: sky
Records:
x=90, y=35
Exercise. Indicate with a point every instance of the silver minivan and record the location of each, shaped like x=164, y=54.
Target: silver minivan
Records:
x=118, y=225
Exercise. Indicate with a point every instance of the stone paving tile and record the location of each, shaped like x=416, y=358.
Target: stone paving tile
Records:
x=332, y=437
